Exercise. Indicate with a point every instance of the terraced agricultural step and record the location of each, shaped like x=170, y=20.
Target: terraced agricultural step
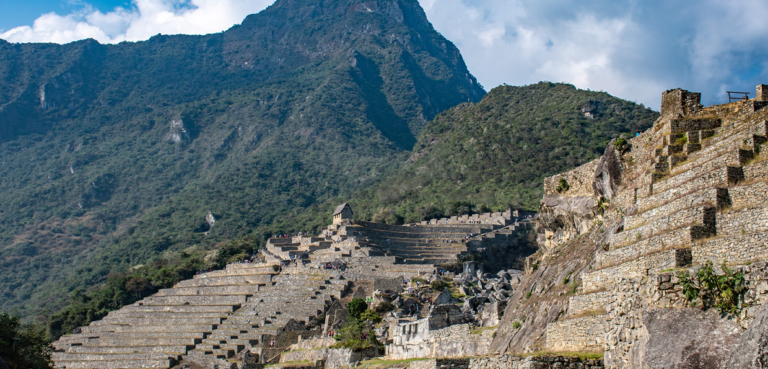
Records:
x=208, y=281
x=116, y=364
x=681, y=237
x=172, y=350
x=209, y=291
x=722, y=177
x=66, y=356
x=111, y=327
x=641, y=266
x=699, y=215
x=195, y=300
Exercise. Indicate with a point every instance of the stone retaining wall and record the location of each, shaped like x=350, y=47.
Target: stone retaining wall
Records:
x=579, y=181
x=578, y=334
x=734, y=250
x=732, y=223
x=603, y=278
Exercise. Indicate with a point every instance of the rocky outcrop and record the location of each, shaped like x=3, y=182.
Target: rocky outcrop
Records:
x=751, y=351
x=608, y=172
x=688, y=338
x=562, y=218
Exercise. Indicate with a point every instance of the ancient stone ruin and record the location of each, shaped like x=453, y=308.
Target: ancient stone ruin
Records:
x=690, y=190
x=247, y=314
x=619, y=239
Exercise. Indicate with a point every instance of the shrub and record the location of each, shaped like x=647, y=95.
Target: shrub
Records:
x=621, y=144
x=562, y=186
x=682, y=140
x=528, y=295
x=384, y=307
x=371, y=316
x=438, y=285
x=351, y=334
x=356, y=307
x=725, y=292
x=516, y=324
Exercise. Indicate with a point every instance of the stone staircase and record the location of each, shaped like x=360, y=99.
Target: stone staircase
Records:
x=703, y=197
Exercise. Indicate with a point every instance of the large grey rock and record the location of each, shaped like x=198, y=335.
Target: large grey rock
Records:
x=688, y=339
x=608, y=173
x=444, y=297
x=752, y=348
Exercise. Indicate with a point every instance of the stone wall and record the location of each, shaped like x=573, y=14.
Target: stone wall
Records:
x=509, y=362
x=742, y=221
x=733, y=250
x=550, y=362
x=454, y=341
x=578, y=334
x=579, y=181
x=756, y=171
x=334, y=358
x=744, y=196
x=603, y=278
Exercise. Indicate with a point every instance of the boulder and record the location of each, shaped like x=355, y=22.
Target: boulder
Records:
x=443, y=298
x=752, y=349
x=688, y=338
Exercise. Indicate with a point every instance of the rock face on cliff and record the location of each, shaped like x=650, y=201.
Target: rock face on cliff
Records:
x=690, y=191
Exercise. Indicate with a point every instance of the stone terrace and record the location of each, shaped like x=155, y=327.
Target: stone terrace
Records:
x=156, y=331
x=212, y=317
x=701, y=198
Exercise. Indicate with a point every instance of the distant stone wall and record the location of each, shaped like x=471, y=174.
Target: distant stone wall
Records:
x=579, y=181
x=454, y=341
x=334, y=358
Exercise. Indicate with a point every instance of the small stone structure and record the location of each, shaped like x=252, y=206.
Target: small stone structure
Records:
x=443, y=333
x=343, y=212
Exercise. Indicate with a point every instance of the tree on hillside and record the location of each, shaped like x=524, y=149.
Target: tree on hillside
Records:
x=24, y=346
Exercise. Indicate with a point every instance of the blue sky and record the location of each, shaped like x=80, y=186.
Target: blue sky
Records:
x=633, y=49
x=17, y=13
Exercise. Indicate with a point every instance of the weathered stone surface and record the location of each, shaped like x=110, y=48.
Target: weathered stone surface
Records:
x=608, y=173
x=751, y=351
x=444, y=297
x=688, y=338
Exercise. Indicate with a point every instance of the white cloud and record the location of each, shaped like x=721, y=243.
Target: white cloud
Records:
x=143, y=20
x=630, y=48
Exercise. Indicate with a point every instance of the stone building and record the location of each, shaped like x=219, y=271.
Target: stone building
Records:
x=343, y=212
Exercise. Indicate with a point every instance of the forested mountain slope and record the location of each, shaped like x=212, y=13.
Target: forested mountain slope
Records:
x=113, y=155
x=496, y=153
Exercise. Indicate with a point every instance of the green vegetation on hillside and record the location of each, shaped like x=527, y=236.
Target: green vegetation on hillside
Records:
x=494, y=155
x=24, y=346
x=300, y=104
